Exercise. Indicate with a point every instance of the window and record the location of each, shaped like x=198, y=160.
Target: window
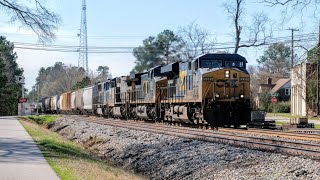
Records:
x=195, y=64
x=107, y=86
x=211, y=63
x=241, y=64
x=287, y=92
x=231, y=64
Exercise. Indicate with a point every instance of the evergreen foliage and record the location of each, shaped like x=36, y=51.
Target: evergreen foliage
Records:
x=10, y=91
x=276, y=60
x=164, y=48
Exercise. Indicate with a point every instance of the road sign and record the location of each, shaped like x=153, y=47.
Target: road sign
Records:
x=20, y=79
x=23, y=100
x=274, y=100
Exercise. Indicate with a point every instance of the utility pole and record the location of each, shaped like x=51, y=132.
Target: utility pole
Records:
x=318, y=75
x=20, y=80
x=34, y=90
x=292, y=40
x=38, y=88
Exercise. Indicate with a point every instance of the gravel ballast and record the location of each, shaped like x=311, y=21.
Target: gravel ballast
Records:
x=165, y=157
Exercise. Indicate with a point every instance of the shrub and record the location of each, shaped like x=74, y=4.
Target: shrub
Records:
x=42, y=120
x=280, y=107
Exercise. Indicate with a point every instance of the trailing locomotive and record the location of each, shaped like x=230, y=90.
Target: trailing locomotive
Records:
x=212, y=89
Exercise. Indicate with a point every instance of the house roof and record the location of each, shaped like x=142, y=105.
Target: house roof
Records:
x=279, y=84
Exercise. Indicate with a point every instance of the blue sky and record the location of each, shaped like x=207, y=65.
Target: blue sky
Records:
x=127, y=23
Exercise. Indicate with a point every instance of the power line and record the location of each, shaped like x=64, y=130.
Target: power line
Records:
x=113, y=49
x=285, y=38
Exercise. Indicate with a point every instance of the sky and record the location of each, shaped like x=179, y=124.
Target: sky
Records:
x=125, y=23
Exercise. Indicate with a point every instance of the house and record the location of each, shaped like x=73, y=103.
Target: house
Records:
x=281, y=90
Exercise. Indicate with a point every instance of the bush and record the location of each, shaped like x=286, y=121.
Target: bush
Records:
x=265, y=101
x=281, y=107
x=42, y=119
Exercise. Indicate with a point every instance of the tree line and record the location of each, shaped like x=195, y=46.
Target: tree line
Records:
x=60, y=78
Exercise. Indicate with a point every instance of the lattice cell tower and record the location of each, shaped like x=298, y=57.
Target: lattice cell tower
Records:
x=83, y=47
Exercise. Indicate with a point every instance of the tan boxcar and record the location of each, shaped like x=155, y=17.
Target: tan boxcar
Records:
x=66, y=102
x=79, y=101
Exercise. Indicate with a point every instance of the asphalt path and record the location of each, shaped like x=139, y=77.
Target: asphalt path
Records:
x=20, y=157
x=284, y=119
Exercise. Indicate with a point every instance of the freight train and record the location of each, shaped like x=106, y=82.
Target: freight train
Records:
x=212, y=89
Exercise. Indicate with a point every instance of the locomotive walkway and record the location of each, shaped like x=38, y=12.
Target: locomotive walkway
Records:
x=20, y=157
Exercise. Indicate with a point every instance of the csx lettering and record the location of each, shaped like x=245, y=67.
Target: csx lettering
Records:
x=221, y=82
x=226, y=83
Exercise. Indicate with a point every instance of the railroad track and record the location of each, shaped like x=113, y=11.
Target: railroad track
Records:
x=273, y=133
x=222, y=136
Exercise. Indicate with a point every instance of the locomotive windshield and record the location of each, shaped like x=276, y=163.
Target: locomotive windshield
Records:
x=211, y=63
x=236, y=64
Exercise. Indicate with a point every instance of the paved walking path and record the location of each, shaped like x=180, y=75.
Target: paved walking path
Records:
x=284, y=119
x=20, y=157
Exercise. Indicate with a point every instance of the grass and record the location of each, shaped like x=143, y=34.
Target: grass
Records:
x=69, y=159
x=316, y=126
x=288, y=115
x=282, y=123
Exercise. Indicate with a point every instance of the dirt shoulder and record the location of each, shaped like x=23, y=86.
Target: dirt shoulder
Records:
x=71, y=160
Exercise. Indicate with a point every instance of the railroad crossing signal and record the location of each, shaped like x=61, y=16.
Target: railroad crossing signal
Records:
x=274, y=100
x=23, y=100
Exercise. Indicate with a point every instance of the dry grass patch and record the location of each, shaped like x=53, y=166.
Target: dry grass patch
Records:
x=70, y=160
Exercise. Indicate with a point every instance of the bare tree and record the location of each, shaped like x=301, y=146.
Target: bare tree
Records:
x=35, y=16
x=293, y=3
x=196, y=40
x=301, y=9
x=257, y=31
x=59, y=79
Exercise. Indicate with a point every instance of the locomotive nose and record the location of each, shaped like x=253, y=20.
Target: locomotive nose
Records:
x=225, y=83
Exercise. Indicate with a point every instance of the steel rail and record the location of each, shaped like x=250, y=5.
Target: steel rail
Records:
x=272, y=133
x=289, y=147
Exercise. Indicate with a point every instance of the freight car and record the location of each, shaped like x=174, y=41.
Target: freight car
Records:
x=212, y=89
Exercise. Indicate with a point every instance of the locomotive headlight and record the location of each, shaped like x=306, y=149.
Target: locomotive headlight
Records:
x=217, y=95
x=227, y=74
x=242, y=96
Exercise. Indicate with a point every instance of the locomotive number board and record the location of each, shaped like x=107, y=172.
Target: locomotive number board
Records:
x=244, y=79
x=208, y=79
